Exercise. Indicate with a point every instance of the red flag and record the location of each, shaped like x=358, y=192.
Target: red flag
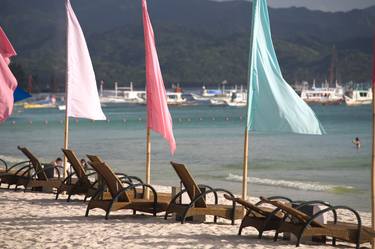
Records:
x=158, y=116
x=8, y=82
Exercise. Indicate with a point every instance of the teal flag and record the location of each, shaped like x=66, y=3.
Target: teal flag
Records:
x=273, y=106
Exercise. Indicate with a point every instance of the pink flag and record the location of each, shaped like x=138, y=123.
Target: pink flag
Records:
x=158, y=116
x=82, y=93
x=8, y=82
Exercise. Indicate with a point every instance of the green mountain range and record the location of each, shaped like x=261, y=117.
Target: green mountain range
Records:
x=198, y=41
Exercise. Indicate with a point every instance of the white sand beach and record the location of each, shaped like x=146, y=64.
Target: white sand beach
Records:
x=36, y=220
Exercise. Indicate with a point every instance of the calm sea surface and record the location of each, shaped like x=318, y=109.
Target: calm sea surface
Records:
x=210, y=142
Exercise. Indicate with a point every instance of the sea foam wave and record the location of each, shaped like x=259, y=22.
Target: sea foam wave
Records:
x=308, y=186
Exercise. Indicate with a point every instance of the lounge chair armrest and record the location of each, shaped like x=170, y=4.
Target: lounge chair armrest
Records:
x=18, y=164
x=319, y=202
x=93, y=184
x=277, y=197
x=133, y=186
x=334, y=209
x=123, y=176
x=90, y=169
x=205, y=186
x=209, y=188
x=215, y=190
x=28, y=167
x=5, y=164
x=136, y=178
x=92, y=173
x=179, y=194
x=69, y=177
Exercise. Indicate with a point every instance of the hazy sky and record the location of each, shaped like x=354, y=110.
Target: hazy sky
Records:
x=324, y=5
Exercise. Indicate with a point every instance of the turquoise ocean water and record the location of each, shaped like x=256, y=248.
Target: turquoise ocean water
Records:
x=210, y=142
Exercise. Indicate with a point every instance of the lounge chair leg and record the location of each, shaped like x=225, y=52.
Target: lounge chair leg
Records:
x=87, y=211
x=57, y=196
x=183, y=219
x=68, y=200
x=260, y=235
x=299, y=240
x=107, y=214
x=134, y=212
x=215, y=219
x=8, y=186
x=84, y=200
x=240, y=231
x=166, y=215
x=333, y=241
x=276, y=236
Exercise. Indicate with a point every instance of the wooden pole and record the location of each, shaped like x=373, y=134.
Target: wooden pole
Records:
x=66, y=131
x=373, y=168
x=66, y=136
x=245, y=164
x=373, y=148
x=148, y=161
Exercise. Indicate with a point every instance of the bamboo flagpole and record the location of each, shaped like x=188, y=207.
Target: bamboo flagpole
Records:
x=66, y=128
x=148, y=161
x=373, y=147
x=245, y=164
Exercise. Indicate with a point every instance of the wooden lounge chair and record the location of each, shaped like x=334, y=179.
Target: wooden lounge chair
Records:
x=122, y=197
x=35, y=176
x=260, y=217
x=10, y=174
x=198, y=205
x=79, y=179
x=162, y=196
x=300, y=224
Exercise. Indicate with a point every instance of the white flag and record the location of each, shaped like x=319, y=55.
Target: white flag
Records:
x=82, y=93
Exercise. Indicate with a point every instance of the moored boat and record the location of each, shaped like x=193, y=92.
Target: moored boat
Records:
x=323, y=95
x=359, y=97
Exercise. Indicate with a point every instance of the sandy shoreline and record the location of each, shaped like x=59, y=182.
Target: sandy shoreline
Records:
x=36, y=220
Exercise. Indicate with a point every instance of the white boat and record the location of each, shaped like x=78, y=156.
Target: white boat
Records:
x=323, y=95
x=61, y=107
x=122, y=95
x=130, y=96
x=207, y=94
x=175, y=98
x=238, y=99
x=233, y=97
x=359, y=97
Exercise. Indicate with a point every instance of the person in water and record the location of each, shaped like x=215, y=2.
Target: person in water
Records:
x=357, y=143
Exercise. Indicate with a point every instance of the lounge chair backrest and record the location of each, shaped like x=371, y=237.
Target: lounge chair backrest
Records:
x=95, y=158
x=35, y=162
x=189, y=183
x=301, y=216
x=111, y=180
x=75, y=163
